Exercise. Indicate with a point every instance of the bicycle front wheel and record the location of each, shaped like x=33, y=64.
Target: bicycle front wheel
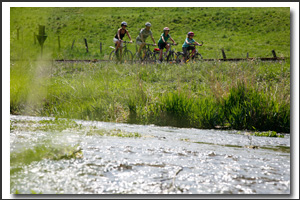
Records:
x=114, y=56
x=171, y=57
x=127, y=57
x=197, y=57
x=149, y=57
x=180, y=58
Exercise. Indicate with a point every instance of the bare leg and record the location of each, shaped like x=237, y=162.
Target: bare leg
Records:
x=118, y=45
x=167, y=47
x=121, y=54
x=141, y=46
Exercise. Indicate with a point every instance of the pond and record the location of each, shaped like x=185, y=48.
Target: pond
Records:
x=117, y=158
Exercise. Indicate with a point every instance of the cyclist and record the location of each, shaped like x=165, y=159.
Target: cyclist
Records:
x=162, y=42
x=186, y=45
x=141, y=38
x=119, y=36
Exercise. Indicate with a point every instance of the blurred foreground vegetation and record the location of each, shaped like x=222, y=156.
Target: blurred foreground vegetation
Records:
x=244, y=95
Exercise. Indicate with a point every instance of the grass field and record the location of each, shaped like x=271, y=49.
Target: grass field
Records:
x=238, y=31
x=250, y=95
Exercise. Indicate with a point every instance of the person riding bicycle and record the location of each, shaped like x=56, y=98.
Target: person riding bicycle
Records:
x=162, y=42
x=118, y=39
x=186, y=45
x=141, y=38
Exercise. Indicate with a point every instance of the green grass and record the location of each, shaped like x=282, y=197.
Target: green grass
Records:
x=243, y=95
x=238, y=31
x=268, y=134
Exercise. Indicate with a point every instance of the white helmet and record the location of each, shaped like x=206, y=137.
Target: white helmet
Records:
x=123, y=24
x=166, y=29
x=148, y=24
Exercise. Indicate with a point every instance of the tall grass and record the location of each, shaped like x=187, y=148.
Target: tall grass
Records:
x=243, y=95
x=248, y=108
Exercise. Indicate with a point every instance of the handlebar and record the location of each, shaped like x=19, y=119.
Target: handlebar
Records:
x=172, y=44
x=197, y=44
x=127, y=42
x=149, y=44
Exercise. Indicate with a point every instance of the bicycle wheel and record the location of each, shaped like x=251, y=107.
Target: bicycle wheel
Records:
x=114, y=56
x=136, y=58
x=155, y=56
x=127, y=57
x=171, y=57
x=149, y=57
x=180, y=58
x=197, y=57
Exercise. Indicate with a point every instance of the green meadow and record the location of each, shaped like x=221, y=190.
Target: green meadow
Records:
x=252, y=95
x=238, y=31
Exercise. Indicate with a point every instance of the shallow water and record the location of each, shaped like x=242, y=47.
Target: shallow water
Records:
x=164, y=160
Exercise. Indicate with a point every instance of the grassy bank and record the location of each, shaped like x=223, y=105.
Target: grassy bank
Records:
x=243, y=95
x=238, y=31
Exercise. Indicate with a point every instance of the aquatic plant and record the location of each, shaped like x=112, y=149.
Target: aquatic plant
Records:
x=268, y=134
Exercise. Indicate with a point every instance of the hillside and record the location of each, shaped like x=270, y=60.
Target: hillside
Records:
x=237, y=30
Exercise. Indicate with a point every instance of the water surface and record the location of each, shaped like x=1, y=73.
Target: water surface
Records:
x=163, y=160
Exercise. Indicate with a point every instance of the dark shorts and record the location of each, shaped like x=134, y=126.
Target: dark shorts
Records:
x=186, y=49
x=162, y=45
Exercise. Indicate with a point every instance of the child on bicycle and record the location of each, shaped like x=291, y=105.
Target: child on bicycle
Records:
x=162, y=42
x=186, y=45
x=118, y=39
x=141, y=38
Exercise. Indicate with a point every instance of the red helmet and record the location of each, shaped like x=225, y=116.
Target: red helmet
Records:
x=191, y=33
x=166, y=29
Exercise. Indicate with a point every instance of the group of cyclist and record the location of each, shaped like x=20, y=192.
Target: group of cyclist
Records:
x=162, y=42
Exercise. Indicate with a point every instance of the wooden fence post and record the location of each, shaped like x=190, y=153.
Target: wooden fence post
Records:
x=223, y=53
x=86, y=45
x=100, y=47
x=274, y=54
x=247, y=55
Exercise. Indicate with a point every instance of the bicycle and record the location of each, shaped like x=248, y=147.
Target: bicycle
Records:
x=126, y=57
x=149, y=55
x=172, y=55
x=193, y=55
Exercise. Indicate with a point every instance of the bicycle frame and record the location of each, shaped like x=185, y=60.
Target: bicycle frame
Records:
x=147, y=52
x=148, y=47
x=124, y=51
x=171, y=51
x=191, y=54
x=123, y=48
